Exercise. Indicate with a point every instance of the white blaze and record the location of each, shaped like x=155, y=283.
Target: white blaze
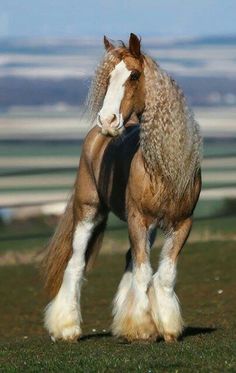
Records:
x=115, y=92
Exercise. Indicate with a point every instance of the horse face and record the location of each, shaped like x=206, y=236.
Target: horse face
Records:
x=125, y=92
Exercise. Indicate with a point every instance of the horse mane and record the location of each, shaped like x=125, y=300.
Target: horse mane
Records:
x=170, y=137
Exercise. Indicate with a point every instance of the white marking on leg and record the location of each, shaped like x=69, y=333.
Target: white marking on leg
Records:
x=136, y=282
x=121, y=295
x=115, y=93
x=142, y=277
x=63, y=315
x=165, y=305
x=132, y=312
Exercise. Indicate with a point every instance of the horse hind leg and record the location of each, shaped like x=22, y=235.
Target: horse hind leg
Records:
x=165, y=306
x=63, y=314
x=131, y=306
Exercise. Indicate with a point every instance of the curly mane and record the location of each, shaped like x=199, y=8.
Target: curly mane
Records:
x=170, y=137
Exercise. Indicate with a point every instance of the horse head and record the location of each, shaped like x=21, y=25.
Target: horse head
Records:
x=125, y=90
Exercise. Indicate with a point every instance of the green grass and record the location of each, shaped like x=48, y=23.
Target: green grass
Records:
x=208, y=344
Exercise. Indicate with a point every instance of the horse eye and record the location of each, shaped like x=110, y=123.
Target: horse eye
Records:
x=134, y=75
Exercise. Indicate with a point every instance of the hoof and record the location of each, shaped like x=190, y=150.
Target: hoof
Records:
x=69, y=334
x=170, y=338
x=136, y=330
x=62, y=323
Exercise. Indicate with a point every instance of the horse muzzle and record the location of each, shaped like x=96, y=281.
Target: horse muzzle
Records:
x=111, y=125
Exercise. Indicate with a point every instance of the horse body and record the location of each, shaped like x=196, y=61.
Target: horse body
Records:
x=148, y=175
x=117, y=171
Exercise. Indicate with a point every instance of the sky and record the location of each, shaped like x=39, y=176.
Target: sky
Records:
x=116, y=18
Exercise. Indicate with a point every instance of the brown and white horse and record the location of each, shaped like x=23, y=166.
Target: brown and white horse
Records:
x=148, y=175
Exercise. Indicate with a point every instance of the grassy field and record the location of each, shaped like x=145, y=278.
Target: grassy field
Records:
x=206, y=288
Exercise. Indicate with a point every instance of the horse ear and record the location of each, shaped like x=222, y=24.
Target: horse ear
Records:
x=134, y=45
x=108, y=45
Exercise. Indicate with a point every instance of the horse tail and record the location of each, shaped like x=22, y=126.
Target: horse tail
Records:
x=58, y=252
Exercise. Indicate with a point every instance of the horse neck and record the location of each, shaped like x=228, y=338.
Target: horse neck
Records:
x=169, y=138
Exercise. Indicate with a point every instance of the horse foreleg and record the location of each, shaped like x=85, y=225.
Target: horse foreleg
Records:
x=165, y=306
x=63, y=315
x=131, y=311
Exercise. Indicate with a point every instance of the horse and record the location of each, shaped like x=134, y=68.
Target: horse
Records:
x=149, y=175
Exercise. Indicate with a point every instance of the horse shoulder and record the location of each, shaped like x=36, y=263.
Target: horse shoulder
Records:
x=89, y=167
x=92, y=144
x=139, y=184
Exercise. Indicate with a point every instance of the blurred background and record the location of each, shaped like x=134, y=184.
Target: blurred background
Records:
x=48, y=53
